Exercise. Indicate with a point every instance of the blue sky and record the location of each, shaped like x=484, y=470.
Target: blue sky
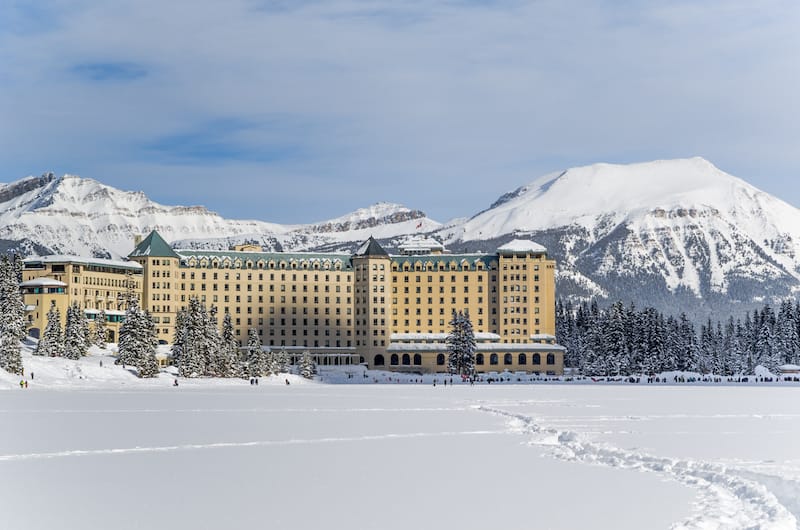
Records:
x=317, y=108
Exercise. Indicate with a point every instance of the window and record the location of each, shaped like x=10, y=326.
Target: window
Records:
x=379, y=361
x=440, y=359
x=394, y=361
x=537, y=359
x=508, y=359
x=493, y=358
x=479, y=359
x=551, y=359
x=522, y=359
x=406, y=359
x=417, y=359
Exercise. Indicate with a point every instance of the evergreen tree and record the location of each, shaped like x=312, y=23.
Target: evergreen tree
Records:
x=257, y=361
x=12, y=317
x=281, y=362
x=100, y=330
x=307, y=367
x=51, y=342
x=227, y=354
x=138, y=342
x=73, y=334
x=461, y=342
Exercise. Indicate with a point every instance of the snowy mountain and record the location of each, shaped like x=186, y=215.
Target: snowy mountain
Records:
x=680, y=235
x=677, y=234
x=74, y=215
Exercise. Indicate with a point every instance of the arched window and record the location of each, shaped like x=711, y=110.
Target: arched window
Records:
x=493, y=358
x=406, y=359
x=522, y=359
x=508, y=358
x=537, y=359
x=440, y=359
x=417, y=359
x=394, y=360
x=479, y=359
x=551, y=359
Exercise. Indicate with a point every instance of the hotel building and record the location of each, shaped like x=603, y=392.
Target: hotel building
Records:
x=390, y=312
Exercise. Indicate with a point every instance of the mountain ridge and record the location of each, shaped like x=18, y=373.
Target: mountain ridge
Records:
x=677, y=233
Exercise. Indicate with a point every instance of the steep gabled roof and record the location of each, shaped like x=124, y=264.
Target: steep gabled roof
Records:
x=370, y=247
x=153, y=246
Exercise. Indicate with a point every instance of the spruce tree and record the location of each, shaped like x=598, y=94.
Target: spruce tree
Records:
x=12, y=318
x=461, y=342
x=51, y=342
x=281, y=362
x=257, y=361
x=307, y=367
x=100, y=330
x=73, y=334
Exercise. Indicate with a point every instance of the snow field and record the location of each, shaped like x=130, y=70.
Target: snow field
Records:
x=401, y=456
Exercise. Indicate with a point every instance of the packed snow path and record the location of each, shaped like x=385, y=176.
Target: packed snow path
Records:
x=727, y=498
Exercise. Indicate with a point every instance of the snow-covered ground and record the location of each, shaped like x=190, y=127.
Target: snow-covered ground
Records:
x=93, y=447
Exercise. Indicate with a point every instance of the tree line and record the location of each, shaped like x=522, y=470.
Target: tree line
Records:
x=620, y=340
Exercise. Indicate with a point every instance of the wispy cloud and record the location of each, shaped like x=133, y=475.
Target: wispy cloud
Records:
x=109, y=71
x=222, y=141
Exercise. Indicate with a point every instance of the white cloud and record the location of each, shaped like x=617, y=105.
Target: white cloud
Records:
x=441, y=105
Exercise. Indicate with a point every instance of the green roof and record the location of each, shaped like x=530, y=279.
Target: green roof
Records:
x=371, y=248
x=153, y=246
x=233, y=255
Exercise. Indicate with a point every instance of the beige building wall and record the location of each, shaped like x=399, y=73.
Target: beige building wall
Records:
x=95, y=285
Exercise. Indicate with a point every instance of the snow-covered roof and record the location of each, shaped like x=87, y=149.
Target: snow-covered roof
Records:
x=543, y=336
x=789, y=368
x=43, y=282
x=438, y=336
x=83, y=260
x=30, y=308
x=421, y=244
x=522, y=245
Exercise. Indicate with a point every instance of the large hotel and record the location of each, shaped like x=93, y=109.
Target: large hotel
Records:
x=390, y=312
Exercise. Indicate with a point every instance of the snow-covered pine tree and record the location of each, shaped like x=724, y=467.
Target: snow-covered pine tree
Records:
x=211, y=341
x=131, y=337
x=281, y=364
x=73, y=334
x=191, y=359
x=454, y=343
x=147, y=364
x=257, y=362
x=100, y=330
x=179, y=339
x=51, y=341
x=461, y=342
x=307, y=367
x=12, y=318
x=227, y=354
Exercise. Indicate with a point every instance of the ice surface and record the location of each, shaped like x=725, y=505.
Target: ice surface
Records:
x=214, y=453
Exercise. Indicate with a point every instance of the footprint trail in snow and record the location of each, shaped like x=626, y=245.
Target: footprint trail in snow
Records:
x=729, y=497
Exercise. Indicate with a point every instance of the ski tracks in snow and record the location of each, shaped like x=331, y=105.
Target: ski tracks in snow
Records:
x=729, y=497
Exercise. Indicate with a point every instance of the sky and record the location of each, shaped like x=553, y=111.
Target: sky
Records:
x=299, y=111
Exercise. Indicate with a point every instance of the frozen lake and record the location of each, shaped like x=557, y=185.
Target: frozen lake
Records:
x=401, y=456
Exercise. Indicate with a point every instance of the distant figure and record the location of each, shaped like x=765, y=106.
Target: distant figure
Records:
x=26, y=384
x=31, y=375
x=256, y=381
x=175, y=383
x=21, y=383
x=287, y=382
x=101, y=363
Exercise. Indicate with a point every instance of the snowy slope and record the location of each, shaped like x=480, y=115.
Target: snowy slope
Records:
x=74, y=215
x=676, y=234
x=684, y=223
